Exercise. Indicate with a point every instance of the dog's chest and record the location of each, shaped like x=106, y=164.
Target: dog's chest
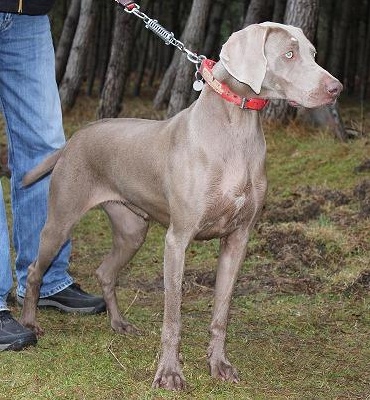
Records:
x=231, y=201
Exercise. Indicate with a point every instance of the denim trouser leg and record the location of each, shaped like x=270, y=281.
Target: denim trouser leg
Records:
x=5, y=267
x=31, y=107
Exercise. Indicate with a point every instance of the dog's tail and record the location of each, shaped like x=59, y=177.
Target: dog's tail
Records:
x=42, y=169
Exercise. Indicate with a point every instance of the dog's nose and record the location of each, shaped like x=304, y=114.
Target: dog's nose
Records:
x=334, y=88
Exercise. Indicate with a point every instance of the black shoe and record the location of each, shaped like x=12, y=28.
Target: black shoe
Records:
x=72, y=300
x=13, y=335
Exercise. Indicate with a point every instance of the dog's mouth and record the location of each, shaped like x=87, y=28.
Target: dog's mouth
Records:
x=318, y=104
x=294, y=104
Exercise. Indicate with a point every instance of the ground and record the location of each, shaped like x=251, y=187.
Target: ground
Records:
x=299, y=323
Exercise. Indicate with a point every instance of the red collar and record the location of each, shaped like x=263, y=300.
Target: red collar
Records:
x=225, y=92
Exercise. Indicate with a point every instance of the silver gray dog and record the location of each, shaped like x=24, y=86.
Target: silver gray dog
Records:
x=201, y=174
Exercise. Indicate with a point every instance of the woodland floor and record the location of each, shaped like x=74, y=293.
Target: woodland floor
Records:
x=300, y=321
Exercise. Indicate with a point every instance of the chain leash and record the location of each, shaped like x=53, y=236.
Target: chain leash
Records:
x=168, y=38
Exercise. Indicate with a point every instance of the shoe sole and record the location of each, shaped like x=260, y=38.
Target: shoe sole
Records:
x=19, y=344
x=45, y=303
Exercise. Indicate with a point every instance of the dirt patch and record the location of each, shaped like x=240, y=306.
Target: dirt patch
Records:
x=145, y=286
x=193, y=281
x=292, y=249
x=198, y=280
x=295, y=257
x=362, y=193
x=335, y=197
x=251, y=284
x=303, y=205
x=287, y=259
x=363, y=167
x=310, y=203
x=293, y=209
x=360, y=286
x=263, y=278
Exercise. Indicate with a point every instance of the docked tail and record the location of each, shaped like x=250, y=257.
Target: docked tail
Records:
x=42, y=169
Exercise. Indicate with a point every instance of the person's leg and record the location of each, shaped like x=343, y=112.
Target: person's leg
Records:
x=13, y=336
x=33, y=117
x=5, y=267
x=31, y=106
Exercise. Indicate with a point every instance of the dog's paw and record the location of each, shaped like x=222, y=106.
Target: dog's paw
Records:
x=124, y=328
x=33, y=326
x=170, y=379
x=223, y=370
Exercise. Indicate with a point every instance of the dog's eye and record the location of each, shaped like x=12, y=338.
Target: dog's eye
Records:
x=289, y=54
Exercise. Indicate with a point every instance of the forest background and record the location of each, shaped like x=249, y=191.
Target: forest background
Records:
x=100, y=48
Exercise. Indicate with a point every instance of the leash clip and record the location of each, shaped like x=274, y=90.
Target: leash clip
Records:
x=128, y=5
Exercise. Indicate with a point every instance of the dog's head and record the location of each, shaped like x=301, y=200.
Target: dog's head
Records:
x=278, y=62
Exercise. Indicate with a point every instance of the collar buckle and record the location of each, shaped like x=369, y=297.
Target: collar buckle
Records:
x=242, y=105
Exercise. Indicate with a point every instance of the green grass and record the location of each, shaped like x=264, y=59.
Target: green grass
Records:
x=300, y=319
x=312, y=158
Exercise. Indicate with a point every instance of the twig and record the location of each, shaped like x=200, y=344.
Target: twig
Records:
x=115, y=357
x=133, y=301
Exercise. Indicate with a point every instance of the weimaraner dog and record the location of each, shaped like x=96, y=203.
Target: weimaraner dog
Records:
x=201, y=174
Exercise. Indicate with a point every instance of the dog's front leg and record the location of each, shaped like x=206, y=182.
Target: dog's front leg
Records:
x=232, y=255
x=169, y=373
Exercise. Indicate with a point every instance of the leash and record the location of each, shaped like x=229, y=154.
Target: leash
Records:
x=152, y=24
x=202, y=64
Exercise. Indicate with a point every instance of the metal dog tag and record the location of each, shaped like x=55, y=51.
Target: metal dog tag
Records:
x=198, y=85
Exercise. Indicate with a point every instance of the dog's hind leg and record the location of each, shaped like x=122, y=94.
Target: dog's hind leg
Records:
x=129, y=232
x=53, y=237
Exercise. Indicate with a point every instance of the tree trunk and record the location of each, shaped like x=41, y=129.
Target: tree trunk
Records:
x=119, y=66
x=77, y=59
x=365, y=61
x=279, y=11
x=325, y=31
x=327, y=117
x=105, y=40
x=211, y=44
x=66, y=39
x=302, y=14
x=259, y=11
x=163, y=95
x=157, y=61
x=245, y=7
x=193, y=39
x=93, y=51
x=164, y=91
x=340, y=31
x=141, y=67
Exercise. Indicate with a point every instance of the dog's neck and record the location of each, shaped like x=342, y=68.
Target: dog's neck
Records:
x=228, y=126
x=243, y=102
x=239, y=88
x=212, y=103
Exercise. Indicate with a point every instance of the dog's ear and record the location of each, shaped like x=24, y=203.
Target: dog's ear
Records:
x=243, y=56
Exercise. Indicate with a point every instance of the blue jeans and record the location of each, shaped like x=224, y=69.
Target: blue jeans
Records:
x=30, y=104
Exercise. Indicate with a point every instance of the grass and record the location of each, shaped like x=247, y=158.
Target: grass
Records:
x=299, y=324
